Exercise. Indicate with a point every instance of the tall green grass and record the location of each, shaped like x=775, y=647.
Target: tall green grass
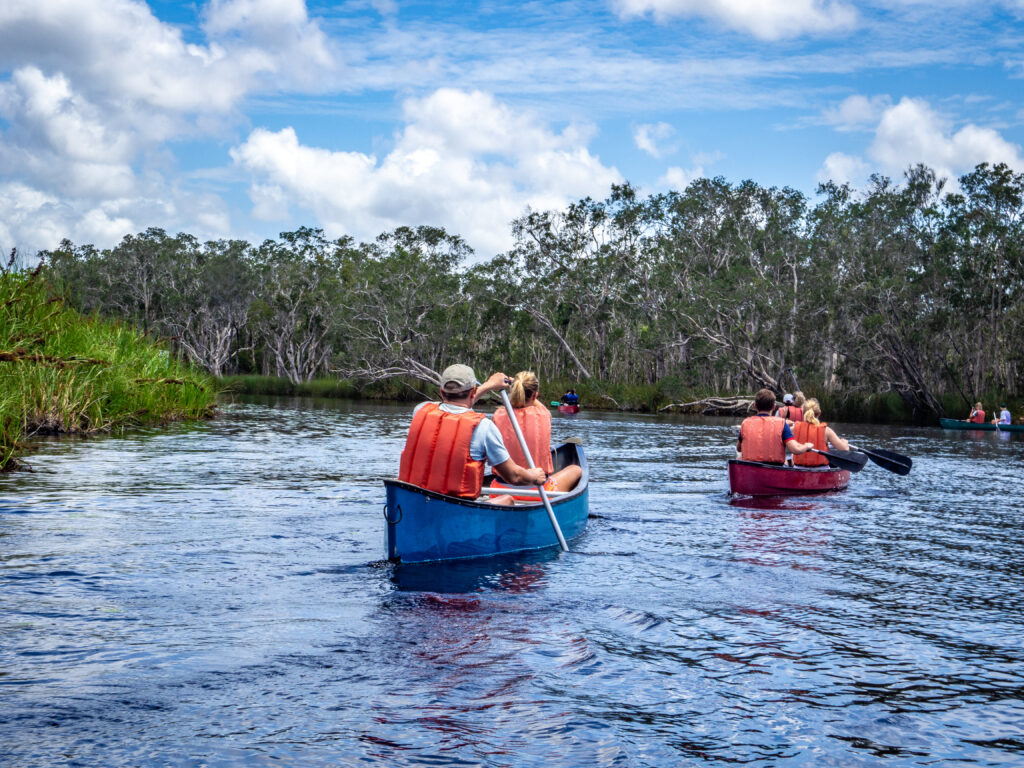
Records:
x=61, y=372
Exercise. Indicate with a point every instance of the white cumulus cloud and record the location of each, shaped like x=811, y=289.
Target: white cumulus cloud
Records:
x=463, y=160
x=912, y=132
x=764, y=19
x=678, y=178
x=654, y=139
x=856, y=112
x=95, y=89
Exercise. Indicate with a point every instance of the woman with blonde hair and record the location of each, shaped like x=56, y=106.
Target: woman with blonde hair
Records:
x=813, y=430
x=977, y=414
x=535, y=423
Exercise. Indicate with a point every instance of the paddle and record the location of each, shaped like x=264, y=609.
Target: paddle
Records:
x=555, y=403
x=890, y=460
x=850, y=460
x=529, y=462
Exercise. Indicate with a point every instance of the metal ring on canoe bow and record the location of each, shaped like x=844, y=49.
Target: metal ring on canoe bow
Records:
x=388, y=517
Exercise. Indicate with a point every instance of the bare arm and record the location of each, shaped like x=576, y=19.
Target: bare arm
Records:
x=512, y=473
x=797, y=448
x=494, y=383
x=835, y=440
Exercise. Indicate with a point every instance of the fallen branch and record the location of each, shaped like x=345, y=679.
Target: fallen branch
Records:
x=717, y=406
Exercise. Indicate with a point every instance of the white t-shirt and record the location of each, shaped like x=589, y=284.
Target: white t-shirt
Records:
x=486, y=442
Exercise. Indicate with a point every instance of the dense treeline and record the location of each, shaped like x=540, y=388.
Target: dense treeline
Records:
x=904, y=288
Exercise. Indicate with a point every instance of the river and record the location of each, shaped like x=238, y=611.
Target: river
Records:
x=213, y=595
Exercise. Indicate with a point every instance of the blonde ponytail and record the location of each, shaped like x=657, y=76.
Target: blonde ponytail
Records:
x=524, y=385
x=812, y=412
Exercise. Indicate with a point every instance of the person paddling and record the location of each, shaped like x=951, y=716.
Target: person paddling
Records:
x=448, y=442
x=765, y=438
x=535, y=423
x=977, y=415
x=817, y=433
x=790, y=410
x=1004, y=416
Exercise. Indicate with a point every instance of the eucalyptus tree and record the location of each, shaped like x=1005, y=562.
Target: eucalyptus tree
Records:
x=297, y=297
x=735, y=255
x=568, y=279
x=208, y=300
x=402, y=310
x=984, y=243
x=886, y=299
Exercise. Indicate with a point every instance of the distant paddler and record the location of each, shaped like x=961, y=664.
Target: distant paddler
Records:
x=790, y=409
x=449, y=443
x=1004, y=416
x=977, y=415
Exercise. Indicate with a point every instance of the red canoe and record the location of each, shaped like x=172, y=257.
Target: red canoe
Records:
x=564, y=408
x=751, y=478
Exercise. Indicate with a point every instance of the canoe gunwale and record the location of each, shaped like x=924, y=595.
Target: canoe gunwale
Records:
x=576, y=492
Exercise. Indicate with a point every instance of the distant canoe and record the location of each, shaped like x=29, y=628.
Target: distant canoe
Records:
x=423, y=526
x=987, y=426
x=752, y=478
x=566, y=408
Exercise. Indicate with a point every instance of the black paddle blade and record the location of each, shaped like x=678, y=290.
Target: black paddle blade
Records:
x=890, y=460
x=849, y=460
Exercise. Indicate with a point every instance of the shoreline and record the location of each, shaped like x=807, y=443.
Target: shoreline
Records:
x=885, y=408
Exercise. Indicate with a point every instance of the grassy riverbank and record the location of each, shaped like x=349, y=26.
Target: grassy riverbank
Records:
x=61, y=372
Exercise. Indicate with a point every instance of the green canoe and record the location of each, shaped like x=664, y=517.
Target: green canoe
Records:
x=987, y=426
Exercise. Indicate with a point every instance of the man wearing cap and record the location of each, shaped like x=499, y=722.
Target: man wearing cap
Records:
x=449, y=442
x=789, y=410
x=1004, y=416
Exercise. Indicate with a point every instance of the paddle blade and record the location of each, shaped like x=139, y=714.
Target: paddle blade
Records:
x=555, y=403
x=890, y=460
x=849, y=460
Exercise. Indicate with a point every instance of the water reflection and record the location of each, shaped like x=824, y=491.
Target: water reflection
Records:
x=505, y=573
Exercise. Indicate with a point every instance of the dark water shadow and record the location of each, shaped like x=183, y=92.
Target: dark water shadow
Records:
x=524, y=572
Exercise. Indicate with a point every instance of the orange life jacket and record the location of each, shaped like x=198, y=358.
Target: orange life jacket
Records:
x=535, y=423
x=805, y=432
x=978, y=417
x=436, y=454
x=793, y=413
x=761, y=439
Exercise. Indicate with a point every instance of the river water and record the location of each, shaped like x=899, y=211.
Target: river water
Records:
x=213, y=595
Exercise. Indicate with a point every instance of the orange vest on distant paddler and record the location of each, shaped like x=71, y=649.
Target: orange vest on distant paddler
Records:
x=761, y=439
x=436, y=454
x=793, y=413
x=805, y=432
x=535, y=423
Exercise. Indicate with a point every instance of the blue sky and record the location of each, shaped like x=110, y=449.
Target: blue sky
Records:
x=244, y=118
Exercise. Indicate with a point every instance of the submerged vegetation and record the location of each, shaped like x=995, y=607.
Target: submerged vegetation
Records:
x=61, y=372
x=901, y=301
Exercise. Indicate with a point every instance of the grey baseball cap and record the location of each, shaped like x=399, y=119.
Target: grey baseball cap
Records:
x=458, y=378
x=787, y=398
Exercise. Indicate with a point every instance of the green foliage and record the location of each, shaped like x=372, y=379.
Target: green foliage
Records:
x=884, y=300
x=61, y=372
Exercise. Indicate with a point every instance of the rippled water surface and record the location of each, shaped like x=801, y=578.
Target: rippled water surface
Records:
x=213, y=595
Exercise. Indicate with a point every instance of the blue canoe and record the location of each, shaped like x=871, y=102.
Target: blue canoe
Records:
x=423, y=526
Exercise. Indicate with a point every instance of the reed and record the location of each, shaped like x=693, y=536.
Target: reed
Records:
x=61, y=372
